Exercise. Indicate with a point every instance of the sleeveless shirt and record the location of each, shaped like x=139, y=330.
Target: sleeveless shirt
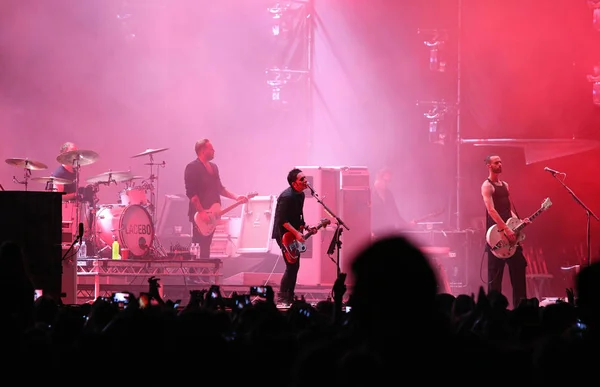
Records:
x=501, y=204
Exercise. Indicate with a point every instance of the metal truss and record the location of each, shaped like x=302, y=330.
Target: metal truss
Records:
x=210, y=267
x=87, y=293
x=102, y=276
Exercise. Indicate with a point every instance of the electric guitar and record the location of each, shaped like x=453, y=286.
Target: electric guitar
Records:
x=497, y=240
x=214, y=215
x=293, y=248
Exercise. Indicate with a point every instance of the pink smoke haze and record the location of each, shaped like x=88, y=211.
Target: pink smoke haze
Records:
x=119, y=77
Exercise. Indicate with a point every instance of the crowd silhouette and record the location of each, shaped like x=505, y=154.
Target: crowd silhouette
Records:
x=392, y=325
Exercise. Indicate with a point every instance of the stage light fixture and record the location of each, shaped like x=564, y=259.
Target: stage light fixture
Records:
x=436, y=39
x=595, y=80
x=277, y=11
x=435, y=114
x=595, y=7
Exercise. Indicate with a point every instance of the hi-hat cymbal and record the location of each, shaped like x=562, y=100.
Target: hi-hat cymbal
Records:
x=27, y=164
x=83, y=157
x=149, y=152
x=51, y=179
x=111, y=177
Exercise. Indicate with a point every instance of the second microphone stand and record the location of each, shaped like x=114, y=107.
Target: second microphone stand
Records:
x=589, y=215
x=336, y=242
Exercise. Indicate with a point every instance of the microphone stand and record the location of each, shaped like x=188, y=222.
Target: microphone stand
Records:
x=78, y=239
x=336, y=240
x=589, y=214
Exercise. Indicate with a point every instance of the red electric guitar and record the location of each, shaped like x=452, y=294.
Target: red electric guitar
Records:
x=293, y=248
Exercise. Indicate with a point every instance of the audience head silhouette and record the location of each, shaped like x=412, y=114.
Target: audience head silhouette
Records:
x=392, y=273
x=588, y=294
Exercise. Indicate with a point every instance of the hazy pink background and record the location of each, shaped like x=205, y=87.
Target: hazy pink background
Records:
x=118, y=77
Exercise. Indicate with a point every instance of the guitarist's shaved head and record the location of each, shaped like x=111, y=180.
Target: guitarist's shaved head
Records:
x=488, y=159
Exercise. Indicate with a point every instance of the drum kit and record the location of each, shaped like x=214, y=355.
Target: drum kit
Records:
x=130, y=221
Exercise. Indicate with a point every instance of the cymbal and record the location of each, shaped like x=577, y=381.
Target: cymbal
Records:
x=111, y=176
x=83, y=157
x=27, y=164
x=134, y=178
x=149, y=152
x=51, y=179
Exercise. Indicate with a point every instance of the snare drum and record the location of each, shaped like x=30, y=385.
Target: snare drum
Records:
x=132, y=225
x=134, y=195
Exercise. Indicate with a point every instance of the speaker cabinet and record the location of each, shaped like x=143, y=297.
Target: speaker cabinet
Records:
x=69, y=275
x=355, y=211
x=460, y=265
x=174, y=219
x=257, y=225
x=316, y=267
x=34, y=221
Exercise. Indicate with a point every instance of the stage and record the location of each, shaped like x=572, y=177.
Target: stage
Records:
x=100, y=277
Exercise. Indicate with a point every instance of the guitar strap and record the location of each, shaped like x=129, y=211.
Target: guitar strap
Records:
x=512, y=204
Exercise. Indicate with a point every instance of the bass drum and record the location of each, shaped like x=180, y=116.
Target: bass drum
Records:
x=132, y=225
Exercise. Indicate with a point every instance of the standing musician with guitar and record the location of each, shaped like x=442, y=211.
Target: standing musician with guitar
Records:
x=204, y=189
x=499, y=210
x=289, y=220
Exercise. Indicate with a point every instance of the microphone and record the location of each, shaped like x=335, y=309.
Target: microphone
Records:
x=80, y=231
x=552, y=171
x=310, y=188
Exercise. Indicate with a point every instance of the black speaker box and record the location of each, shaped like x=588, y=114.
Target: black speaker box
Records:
x=34, y=221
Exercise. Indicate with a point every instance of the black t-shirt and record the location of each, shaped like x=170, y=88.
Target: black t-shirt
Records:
x=289, y=209
x=63, y=173
x=207, y=186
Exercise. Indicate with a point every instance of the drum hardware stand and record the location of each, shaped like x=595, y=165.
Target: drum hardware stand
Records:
x=93, y=239
x=156, y=246
x=26, y=177
x=76, y=168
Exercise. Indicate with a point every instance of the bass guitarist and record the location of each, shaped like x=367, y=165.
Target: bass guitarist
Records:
x=204, y=188
x=498, y=208
x=289, y=217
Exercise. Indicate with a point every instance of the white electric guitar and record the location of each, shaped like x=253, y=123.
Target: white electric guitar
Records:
x=497, y=240
x=214, y=216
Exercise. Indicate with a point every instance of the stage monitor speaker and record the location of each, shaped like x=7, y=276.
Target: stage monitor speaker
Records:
x=257, y=219
x=355, y=211
x=316, y=267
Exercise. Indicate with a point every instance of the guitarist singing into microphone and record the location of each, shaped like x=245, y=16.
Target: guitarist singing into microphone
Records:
x=498, y=210
x=204, y=189
x=289, y=217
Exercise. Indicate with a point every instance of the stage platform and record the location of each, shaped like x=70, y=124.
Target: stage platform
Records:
x=98, y=277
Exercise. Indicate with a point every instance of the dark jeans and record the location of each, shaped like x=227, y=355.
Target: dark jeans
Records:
x=288, y=280
x=516, y=269
x=204, y=241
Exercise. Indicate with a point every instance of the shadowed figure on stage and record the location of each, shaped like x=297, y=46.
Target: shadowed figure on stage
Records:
x=385, y=216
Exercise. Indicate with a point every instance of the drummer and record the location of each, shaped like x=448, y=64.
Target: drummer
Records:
x=66, y=172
